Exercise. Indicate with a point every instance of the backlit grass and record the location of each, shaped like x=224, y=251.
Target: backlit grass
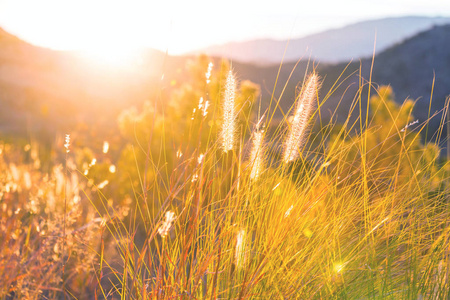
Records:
x=360, y=212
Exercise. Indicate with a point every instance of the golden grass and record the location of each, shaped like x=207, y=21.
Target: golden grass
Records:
x=354, y=215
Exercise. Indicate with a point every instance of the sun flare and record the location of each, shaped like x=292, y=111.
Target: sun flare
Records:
x=114, y=56
x=108, y=32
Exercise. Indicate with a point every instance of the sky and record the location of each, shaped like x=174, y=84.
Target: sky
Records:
x=181, y=26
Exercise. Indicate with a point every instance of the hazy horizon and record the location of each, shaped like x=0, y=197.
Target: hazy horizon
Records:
x=74, y=25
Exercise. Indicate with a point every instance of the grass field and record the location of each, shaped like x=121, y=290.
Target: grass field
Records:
x=209, y=197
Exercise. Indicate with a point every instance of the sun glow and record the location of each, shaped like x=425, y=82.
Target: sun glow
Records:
x=104, y=28
x=107, y=32
x=112, y=55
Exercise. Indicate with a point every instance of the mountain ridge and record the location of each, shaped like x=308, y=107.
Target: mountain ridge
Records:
x=408, y=67
x=353, y=41
x=53, y=91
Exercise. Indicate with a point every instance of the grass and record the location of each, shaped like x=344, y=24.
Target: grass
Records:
x=361, y=214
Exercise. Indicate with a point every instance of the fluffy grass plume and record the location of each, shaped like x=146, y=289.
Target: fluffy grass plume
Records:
x=67, y=142
x=300, y=119
x=229, y=115
x=166, y=225
x=240, y=249
x=257, y=153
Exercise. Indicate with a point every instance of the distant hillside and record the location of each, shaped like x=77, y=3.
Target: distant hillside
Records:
x=43, y=91
x=408, y=67
x=342, y=44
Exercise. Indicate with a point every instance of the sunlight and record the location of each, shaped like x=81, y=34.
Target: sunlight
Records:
x=109, y=32
x=112, y=56
x=338, y=267
x=175, y=25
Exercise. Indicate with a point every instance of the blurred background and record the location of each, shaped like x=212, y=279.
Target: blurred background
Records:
x=74, y=66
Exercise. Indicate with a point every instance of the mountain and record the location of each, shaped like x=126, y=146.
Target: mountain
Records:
x=408, y=67
x=43, y=91
x=343, y=44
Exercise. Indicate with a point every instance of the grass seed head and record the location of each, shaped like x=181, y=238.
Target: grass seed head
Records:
x=67, y=142
x=257, y=155
x=301, y=117
x=240, y=248
x=166, y=225
x=229, y=115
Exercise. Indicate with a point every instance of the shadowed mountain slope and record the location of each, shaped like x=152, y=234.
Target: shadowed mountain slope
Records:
x=408, y=67
x=350, y=42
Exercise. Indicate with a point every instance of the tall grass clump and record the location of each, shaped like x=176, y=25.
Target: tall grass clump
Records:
x=363, y=216
x=45, y=223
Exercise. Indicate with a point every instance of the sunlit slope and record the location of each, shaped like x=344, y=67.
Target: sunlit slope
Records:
x=45, y=90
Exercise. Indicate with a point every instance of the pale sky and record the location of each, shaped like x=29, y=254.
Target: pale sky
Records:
x=184, y=25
